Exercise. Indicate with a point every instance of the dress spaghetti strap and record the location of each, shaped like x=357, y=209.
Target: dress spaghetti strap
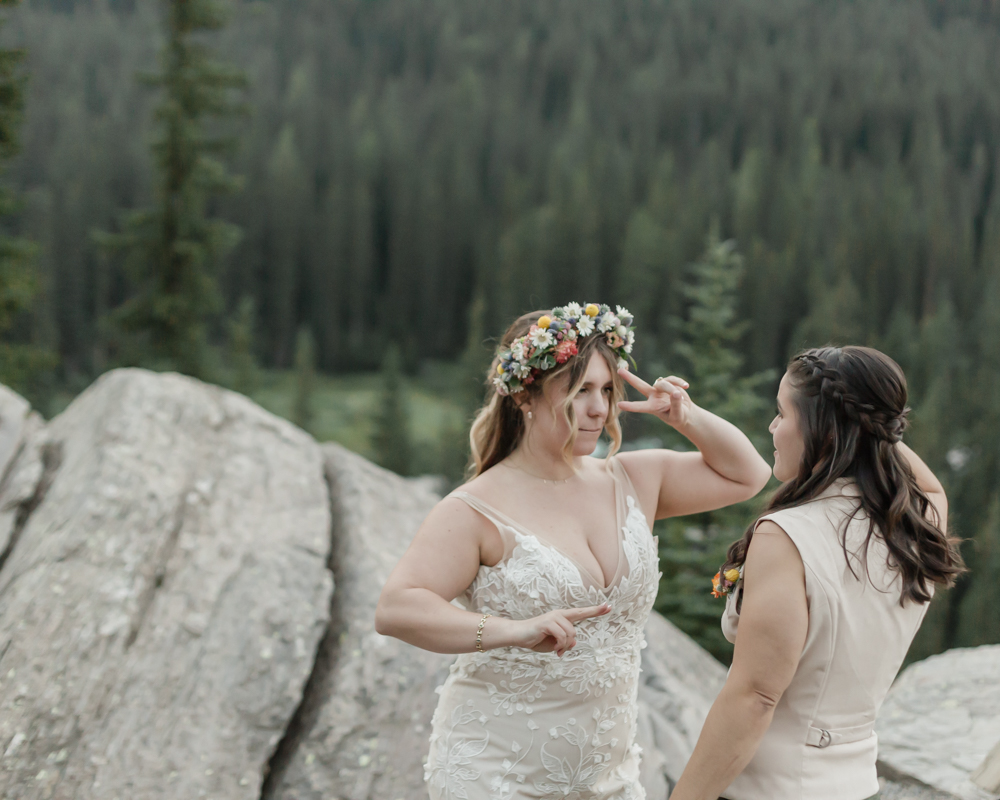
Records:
x=503, y=523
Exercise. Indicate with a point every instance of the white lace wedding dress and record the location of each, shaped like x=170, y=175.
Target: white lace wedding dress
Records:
x=512, y=723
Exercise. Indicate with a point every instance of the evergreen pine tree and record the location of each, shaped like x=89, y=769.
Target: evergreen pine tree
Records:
x=391, y=438
x=172, y=249
x=305, y=379
x=693, y=548
x=241, y=347
x=21, y=361
x=468, y=395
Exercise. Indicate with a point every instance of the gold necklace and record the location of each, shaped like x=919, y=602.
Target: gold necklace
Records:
x=538, y=477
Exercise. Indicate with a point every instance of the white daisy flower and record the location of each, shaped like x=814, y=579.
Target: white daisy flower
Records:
x=608, y=322
x=518, y=351
x=621, y=311
x=629, y=341
x=500, y=386
x=585, y=325
x=541, y=338
x=574, y=310
x=521, y=371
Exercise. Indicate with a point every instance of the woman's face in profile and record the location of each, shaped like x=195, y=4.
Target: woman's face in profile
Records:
x=788, y=443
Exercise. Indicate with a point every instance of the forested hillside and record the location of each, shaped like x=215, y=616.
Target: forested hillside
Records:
x=403, y=157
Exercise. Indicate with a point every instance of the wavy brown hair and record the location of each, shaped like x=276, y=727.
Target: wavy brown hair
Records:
x=499, y=424
x=851, y=404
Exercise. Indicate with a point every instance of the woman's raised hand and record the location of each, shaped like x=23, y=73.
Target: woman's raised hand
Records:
x=666, y=398
x=553, y=631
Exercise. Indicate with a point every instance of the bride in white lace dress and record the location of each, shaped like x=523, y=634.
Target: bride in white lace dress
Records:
x=548, y=554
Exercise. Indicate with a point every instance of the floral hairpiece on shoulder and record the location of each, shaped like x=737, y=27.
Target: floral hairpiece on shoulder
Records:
x=553, y=340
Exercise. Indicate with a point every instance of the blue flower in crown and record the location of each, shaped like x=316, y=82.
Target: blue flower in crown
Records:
x=553, y=340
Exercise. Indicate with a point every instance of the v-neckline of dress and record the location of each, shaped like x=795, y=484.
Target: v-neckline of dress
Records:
x=584, y=572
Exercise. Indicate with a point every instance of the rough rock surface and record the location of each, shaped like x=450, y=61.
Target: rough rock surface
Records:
x=21, y=452
x=163, y=595
x=940, y=720
x=362, y=732
x=678, y=684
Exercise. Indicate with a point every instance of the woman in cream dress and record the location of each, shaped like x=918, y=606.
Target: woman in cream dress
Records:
x=825, y=591
x=549, y=554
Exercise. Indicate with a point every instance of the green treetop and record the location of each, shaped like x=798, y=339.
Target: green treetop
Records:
x=20, y=360
x=172, y=249
x=693, y=548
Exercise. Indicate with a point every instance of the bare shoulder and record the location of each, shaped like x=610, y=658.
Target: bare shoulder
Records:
x=772, y=551
x=452, y=514
x=645, y=470
x=769, y=527
x=639, y=463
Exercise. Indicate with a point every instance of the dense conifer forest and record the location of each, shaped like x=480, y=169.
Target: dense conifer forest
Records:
x=404, y=162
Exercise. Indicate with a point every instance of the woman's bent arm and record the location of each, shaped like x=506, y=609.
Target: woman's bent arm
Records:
x=929, y=485
x=440, y=564
x=774, y=621
x=726, y=469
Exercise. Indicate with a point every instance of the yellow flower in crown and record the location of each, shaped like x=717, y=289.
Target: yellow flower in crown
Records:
x=554, y=338
x=732, y=575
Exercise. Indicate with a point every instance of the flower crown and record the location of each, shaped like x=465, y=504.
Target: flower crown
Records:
x=552, y=340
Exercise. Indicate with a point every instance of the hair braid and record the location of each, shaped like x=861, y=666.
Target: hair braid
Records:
x=851, y=405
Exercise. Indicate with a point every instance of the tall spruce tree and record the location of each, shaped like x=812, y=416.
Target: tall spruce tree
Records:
x=21, y=361
x=173, y=249
x=693, y=548
x=242, y=361
x=391, y=440
x=303, y=412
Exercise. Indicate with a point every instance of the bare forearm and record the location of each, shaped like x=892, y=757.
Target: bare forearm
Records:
x=929, y=485
x=726, y=449
x=926, y=480
x=737, y=722
x=426, y=620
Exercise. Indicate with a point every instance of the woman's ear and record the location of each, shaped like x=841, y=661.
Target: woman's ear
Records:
x=523, y=405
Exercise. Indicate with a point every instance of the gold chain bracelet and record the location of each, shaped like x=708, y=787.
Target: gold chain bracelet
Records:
x=479, y=632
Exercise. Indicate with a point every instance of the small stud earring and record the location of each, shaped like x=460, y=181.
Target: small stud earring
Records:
x=529, y=415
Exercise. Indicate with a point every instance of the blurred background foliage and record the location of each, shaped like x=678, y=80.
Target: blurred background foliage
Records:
x=747, y=176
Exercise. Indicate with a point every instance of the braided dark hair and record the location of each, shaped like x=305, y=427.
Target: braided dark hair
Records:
x=851, y=403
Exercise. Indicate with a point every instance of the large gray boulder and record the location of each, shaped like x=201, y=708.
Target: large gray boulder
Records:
x=677, y=687
x=940, y=720
x=366, y=718
x=168, y=626
x=162, y=594
x=364, y=725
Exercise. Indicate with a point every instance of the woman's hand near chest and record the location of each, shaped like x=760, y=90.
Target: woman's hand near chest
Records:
x=442, y=561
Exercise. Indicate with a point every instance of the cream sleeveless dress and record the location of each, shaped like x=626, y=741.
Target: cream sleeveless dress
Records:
x=512, y=723
x=821, y=744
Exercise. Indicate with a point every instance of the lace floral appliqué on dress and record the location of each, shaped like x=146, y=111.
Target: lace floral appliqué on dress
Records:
x=512, y=723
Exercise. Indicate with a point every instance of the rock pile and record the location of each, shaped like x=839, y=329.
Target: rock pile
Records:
x=941, y=719
x=162, y=593
x=187, y=591
x=169, y=626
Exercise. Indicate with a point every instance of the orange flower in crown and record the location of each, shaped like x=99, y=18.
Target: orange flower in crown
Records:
x=553, y=340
